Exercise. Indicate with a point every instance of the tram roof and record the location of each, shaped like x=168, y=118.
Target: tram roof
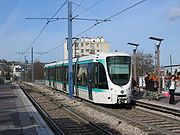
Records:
x=100, y=55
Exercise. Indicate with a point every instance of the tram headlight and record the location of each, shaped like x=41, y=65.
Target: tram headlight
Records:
x=122, y=91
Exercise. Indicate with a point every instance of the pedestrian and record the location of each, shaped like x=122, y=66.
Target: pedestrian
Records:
x=153, y=93
x=151, y=82
x=146, y=79
x=166, y=78
x=171, y=85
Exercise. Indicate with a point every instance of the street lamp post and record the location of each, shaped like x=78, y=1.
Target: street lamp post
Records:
x=158, y=60
x=134, y=55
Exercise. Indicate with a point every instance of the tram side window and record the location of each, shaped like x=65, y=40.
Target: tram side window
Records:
x=100, y=79
x=61, y=74
x=58, y=74
x=65, y=74
x=50, y=74
x=54, y=74
x=74, y=74
x=82, y=75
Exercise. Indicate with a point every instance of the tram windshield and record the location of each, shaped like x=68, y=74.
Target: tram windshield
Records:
x=119, y=68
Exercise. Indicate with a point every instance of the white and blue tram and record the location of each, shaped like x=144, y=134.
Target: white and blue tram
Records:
x=103, y=78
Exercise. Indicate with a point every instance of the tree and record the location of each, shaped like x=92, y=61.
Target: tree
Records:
x=38, y=70
x=145, y=63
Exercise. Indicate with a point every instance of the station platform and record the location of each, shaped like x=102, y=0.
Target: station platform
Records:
x=17, y=114
x=162, y=102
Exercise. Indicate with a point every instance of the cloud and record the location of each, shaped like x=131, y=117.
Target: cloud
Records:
x=174, y=13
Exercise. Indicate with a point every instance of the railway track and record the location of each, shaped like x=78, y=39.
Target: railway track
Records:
x=65, y=118
x=46, y=117
x=157, y=107
x=148, y=122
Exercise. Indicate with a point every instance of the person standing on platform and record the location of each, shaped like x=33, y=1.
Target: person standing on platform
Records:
x=146, y=79
x=153, y=93
x=171, y=85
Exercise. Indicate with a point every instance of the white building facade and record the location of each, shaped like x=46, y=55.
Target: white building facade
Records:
x=86, y=46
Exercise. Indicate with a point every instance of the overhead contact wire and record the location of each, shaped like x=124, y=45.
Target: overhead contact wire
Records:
x=99, y=22
x=44, y=27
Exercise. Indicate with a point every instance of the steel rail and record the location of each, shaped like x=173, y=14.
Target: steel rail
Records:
x=156, y=107
x=87, y=121
x=46, y=117
x=134, y=120
x=128, y=118
x=76, y=114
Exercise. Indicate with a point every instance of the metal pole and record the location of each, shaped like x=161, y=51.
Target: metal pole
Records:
x=135, y=63
x=158, y=67
x=75, y=49
x=171, y=63
x=25, y=69
x=155, y=62
x=70, y=50
x=32, y=64
x=135, y=75
x=158, y=61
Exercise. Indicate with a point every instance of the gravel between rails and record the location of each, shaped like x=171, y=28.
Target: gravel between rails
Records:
x=114, y=124
x=66, y=121
x=158, y=112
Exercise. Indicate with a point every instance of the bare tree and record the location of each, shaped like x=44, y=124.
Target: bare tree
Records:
x=39, y=70
x=145, y=63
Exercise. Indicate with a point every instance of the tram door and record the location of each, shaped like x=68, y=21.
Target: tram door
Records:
x=76, y=78
x=55, y=79
x=65, y=78
x=89, y=80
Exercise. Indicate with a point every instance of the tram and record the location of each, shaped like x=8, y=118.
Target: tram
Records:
x=103, y=78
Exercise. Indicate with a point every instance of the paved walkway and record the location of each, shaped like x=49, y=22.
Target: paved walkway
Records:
x=163, y=101
x=17, y=115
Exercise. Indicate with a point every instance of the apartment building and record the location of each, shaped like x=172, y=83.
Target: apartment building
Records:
x=86, y=46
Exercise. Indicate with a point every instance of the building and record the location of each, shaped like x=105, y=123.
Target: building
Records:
x=2, y=66
x=171, y=70
x=17, y=70
x=86, y=46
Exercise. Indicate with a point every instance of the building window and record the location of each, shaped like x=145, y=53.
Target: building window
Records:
x=82, y=50
x=92, y=46
x=87, y=50
x=76, y=44
x=92, y=51
x=97, y=50
x=81, y=44
x=87, y=44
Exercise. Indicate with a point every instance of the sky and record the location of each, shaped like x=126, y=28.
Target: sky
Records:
x=157, y=18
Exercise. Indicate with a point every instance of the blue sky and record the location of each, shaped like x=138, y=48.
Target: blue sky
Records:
x=151, y=18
